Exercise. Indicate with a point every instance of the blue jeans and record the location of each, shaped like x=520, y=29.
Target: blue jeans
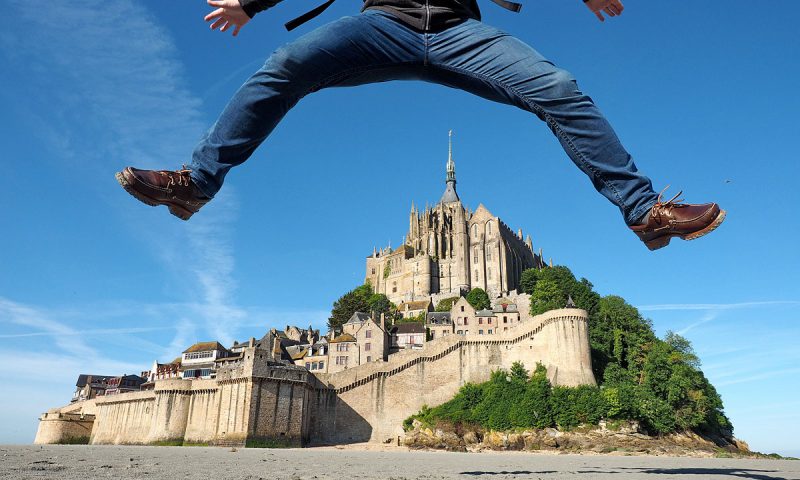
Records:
x=471, y=56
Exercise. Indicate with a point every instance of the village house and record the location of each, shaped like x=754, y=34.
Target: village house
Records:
x=438, y=325
x=161, y=371
x=89, y=386
x=409, y=335
x=343, y=353
x=413, y=309
x=124, y=384
x=198, y=361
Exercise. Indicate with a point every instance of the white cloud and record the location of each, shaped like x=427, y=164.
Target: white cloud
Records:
x=708, y=317
x=715, y=306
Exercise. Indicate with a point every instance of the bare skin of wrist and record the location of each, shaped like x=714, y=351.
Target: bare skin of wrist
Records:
x=228, y=14
x=612, y=8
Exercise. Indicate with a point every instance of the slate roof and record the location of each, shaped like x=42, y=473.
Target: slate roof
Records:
x=484, y=313
x=359, y=317
x=410, y=327
x=438, y=318
x=84, y=378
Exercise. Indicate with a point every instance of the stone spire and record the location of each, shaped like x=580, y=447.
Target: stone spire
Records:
x=450, y=195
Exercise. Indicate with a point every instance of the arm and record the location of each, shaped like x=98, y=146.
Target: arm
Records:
x=612, y=8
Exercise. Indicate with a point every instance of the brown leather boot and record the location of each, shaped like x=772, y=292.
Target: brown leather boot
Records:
x=175, y=189
x=673, y=219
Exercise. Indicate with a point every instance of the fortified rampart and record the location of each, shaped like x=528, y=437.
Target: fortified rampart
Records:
x=257, y=402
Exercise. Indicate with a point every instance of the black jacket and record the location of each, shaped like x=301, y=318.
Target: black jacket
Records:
x=422, y=15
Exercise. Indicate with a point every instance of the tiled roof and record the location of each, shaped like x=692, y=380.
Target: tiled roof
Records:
x=204, y=347
x=345, y=337
x=417, y=305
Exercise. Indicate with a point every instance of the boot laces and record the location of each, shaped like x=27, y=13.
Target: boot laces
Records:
x=665, y=208
x=178, y=177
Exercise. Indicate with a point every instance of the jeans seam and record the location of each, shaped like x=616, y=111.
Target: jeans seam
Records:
x=548, y=119
x=353, y=71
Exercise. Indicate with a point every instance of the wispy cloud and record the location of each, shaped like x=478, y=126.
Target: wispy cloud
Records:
x=708, y=317
x=715, y=306
x=119, y=93
x=759, y=376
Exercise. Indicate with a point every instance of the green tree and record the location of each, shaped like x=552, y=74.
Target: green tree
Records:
x=446, y=304
x=479, y=299
x=355, y=300
x=379, y=304
x=527, y=281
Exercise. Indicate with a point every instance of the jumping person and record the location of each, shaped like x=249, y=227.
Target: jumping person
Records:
x=439, y=41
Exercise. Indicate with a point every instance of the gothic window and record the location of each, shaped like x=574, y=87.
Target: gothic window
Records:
x=475, y=256
x=476, y=274
x=475, y=231
x=488, y=255
x=488, y=228
x=488, y=273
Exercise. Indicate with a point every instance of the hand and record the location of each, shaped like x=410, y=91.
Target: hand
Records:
x=612, y=8
x=228, y=14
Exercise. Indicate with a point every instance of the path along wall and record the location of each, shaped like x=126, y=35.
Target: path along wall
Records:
x=370, y=402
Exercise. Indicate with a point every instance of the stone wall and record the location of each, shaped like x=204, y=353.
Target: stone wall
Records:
x=259, y=403
x=372, y=400
x=57, y=427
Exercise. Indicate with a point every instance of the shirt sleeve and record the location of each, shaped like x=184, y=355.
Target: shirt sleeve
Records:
x=251, y=7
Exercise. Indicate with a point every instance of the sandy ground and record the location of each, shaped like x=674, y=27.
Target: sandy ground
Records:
x=178, y=463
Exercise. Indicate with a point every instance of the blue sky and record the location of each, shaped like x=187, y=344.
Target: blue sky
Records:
x=91, y=281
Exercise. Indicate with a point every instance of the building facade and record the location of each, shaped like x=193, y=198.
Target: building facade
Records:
x=450, y=250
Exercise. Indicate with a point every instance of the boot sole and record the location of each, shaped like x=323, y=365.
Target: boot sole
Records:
x=176, y=210
x=662, y=242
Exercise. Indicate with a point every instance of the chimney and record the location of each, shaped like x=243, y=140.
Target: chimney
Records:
x=252, y=342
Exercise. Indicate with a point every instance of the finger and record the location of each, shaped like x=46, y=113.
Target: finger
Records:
x=617, y=10
x=216, y=3
x=609, y=12
x=600, y=16
x=236, y=30
x=216, y=13
x=217, y=24
x=226, y=27
x=619, y=5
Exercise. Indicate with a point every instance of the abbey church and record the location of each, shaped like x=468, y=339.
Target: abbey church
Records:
x=450, y=250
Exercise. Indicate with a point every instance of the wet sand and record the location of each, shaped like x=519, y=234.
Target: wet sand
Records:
x=364, y=462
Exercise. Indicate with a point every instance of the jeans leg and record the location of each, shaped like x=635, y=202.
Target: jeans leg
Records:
x=365, y=48
x=483, y=60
